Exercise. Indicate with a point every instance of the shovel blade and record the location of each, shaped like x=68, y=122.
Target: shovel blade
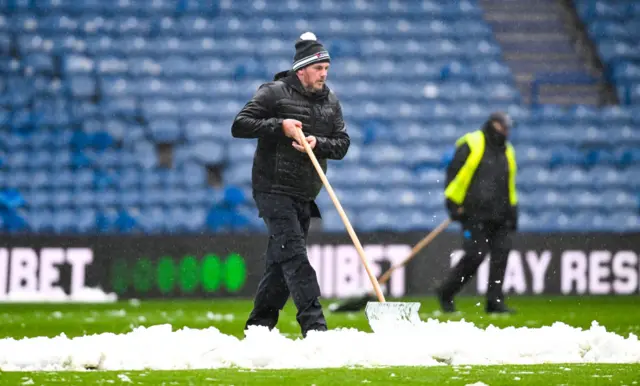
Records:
x=388, y=316
x=351, y=305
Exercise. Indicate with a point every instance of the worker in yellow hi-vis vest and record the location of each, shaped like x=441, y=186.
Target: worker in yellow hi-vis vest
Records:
x=480, y=193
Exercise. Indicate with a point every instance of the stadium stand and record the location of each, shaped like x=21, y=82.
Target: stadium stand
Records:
x=116, y=116
x=538, y=40
x=615, y=28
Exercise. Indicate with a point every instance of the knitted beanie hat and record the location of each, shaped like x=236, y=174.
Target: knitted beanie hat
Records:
x=309, y=51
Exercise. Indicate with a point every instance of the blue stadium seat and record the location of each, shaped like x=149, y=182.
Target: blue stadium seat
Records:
x=620, y=200
x=631, y=178
x=64, y=221
x=528, y=222
x=153, y=220
x=82, y=86
x=165, y=131
x=193, y=176
x=85, y=221
x=63, y=180
x=409, y=219
x=198, y=198
x=129, y=179
x=40, y=220
x=19, y=180
x=542, y=200
x=624, y=222
x=38, y=62
x=196, y=220
x=430, y=177
x=200, y=129
x=13, y=221
x=84, y=198
x=600, y=157
x=149, y=179
x=179, y=220
x=105, y=199
x=173, y=198
x=615, y=116
x=153, y=197
x=607, y=176
x=119, y=107
x=597, y=10
x=609, y=29
x=628, y=157
x=238, y=174
x=78, y=64
x=11, y=199
x=219, y=220
x=371, y=220
x=130, y=198
x=171, y=178
x=567, y=156
x=146, y=155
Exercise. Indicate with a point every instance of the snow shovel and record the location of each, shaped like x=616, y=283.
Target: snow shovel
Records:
x=382, y=315
x=359, y=303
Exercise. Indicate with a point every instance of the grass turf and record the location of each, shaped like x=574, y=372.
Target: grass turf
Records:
x=617, y=314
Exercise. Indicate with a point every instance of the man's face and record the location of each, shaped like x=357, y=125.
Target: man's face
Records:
x=500, y=128
x=314, y=76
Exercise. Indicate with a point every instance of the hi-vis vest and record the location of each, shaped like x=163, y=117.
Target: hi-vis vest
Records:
x=456, y=191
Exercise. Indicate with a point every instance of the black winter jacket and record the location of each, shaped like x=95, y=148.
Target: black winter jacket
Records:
x=277, y=166
x=487, y=198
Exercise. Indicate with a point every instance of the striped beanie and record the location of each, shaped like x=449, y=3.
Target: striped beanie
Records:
x=309, y=51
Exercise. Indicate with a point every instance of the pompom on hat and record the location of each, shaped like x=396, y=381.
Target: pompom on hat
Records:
x=309, y=51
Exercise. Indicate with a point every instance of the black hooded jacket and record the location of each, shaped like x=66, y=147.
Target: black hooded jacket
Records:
x=277, y=166
x=487, y=197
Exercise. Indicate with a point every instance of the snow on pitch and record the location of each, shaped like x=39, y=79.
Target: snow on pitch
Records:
x=83, y=295
x=428, y=344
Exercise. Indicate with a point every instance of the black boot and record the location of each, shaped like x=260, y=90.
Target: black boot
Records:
x=446, y=301
x=498, y=307
x=459, y=276
x=311, y=318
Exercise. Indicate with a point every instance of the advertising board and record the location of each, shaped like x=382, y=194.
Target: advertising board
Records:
x=51, y=267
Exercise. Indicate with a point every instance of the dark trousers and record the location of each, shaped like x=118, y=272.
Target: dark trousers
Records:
x=287, y=268
x=479, y=239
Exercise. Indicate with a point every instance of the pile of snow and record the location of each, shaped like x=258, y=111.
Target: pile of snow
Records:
x=430, y=343
x=220, y=317
x=84, y=295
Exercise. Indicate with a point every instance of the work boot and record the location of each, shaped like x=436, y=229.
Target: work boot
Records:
x=446, y=302
x=498, y=307
x=319, y=328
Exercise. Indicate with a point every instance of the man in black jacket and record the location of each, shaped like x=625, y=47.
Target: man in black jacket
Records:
x=481, y=194
x=285, y=182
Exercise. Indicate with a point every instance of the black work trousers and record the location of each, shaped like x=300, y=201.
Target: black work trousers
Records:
x=479, y=239
x=287, y=268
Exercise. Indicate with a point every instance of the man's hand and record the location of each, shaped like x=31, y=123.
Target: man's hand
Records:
x=456, y=212
x=311, y=140
x=291, y=127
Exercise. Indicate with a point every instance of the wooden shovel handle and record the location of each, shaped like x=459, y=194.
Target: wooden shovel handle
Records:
x=417, y=248
x=343, y=215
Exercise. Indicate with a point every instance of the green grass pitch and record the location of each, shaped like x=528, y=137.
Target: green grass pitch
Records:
x=618, y=314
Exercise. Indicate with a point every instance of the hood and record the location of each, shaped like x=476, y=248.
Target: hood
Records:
x=281, y=74
x=290, y=78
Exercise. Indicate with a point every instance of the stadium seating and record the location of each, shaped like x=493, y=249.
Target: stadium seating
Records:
x=90, y=88
x=614, y=26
